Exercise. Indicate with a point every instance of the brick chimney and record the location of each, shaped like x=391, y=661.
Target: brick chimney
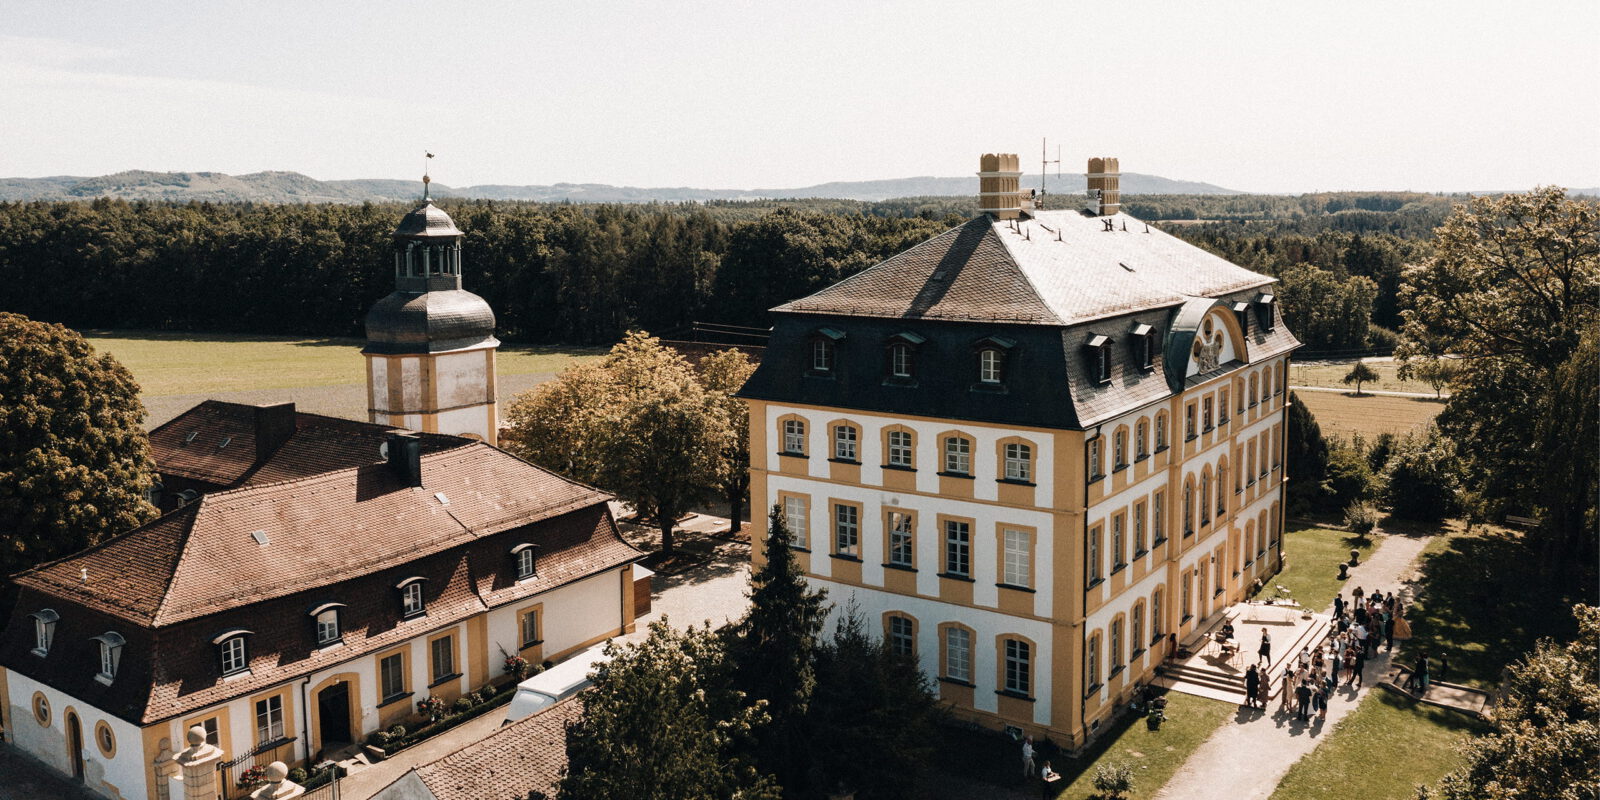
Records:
x=1104, y=196
x=999, y=189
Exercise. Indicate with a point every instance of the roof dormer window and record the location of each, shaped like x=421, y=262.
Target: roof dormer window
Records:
x=1264, y=314
x=1241, y=312
x=44, y=630
x=992, y=354
x=411, y=601
x=233, y=657
x=111, y=644
x=526, y=558
x=824, y=350
x=326, y=619
x=902, y=354
x=1098, y=349
x=1142, y=346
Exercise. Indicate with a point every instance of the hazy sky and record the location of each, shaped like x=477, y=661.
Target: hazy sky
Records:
x=1282, y=96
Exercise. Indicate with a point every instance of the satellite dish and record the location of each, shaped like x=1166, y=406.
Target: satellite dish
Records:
x=383, y=451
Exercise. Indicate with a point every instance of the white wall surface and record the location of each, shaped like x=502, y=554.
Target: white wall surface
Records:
x=125, y=770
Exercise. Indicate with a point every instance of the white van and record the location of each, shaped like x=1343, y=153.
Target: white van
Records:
x=554, y=684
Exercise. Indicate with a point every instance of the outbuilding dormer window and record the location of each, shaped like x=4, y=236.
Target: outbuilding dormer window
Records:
x=232, y=654
x=1241, y=312
x=1264, y=316
x=991, y=365
x=411, y=602
x=111, y=644
x=326, y=619
x=526, y=557
x=1098, y=350
x=902, y=354
x=44, y=630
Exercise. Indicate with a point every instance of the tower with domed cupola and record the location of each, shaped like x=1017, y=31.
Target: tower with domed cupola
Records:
x=430, y=344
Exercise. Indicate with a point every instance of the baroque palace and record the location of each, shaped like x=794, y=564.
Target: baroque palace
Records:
x=310, y=578
x=1039, y=449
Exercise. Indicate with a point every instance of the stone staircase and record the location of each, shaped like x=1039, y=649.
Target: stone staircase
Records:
x=1205, y=675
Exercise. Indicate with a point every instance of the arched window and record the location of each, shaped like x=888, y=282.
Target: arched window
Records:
x=44, y=630
x=902, y=635
x=900, y=450
x=1156, y=620
x=1205, y=496
x=845, y=438
x=1018, y=462
x=1222, y=483
x=1161, y=430
x=1141, y=438
x=411, y=600
x=111, y=644
x=1255, y=388
x=325, y=621
x=1119, y=448
x=1115, y=642
x=232, y=653
x=1136, y=628
x=525, y=557
x=794, y=437
x=1096, y=462
x=1091, y=663
x=1188, y=507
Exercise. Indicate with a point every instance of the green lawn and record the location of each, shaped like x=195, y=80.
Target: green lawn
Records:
x=192, y=363
x=1154, y=755
x=1311, y=565
x=1381, y=751
x=1480, y=600
x=1331, y=374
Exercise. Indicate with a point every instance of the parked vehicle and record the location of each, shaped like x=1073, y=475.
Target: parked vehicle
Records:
x=554, y=684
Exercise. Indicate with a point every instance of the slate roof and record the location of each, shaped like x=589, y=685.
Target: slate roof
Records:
x=316, y=444
x=1058, y=268
x=204, y=558
x=527, y=755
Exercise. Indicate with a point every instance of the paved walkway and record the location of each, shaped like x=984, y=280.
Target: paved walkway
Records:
x=1424, y=395
x=1246, y=760
x=22, y=777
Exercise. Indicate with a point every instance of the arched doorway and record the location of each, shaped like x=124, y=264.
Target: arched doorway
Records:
x=333, y=715
x=75, y=744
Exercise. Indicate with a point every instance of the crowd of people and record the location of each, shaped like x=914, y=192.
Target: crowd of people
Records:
x=1361, y=626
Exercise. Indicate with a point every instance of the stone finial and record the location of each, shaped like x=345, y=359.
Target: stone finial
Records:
x=278, y=785
x=165, y=765
x=199, y=749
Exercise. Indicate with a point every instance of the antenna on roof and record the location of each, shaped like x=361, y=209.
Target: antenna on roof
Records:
x=1044, y=165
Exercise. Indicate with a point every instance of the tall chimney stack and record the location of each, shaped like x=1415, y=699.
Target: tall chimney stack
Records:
x=999, y=185
x=1104, y=196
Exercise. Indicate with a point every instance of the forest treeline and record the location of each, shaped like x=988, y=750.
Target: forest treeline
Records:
x=584, y=274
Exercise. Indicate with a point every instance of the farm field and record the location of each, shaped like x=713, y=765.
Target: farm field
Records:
x=1331, y=374
x=323, y=376
x=1342, y=414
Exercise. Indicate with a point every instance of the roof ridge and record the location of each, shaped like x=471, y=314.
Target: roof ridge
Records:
x=183, y=549
x=1017, y=265
x=104, y=543
x=880, y=263
x=498, y=732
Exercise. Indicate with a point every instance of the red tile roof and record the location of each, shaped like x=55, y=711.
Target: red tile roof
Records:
x=215, y=442
x=206, y=558
x=527, y=755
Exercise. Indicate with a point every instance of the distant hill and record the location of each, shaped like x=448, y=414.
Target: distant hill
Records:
x=292, y=187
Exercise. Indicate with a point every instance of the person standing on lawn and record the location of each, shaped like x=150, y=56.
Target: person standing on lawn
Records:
x=1027, y=757
x=1338, y=605
x=1443, y=668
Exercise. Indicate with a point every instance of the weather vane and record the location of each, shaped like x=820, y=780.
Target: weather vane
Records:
x=425, y=179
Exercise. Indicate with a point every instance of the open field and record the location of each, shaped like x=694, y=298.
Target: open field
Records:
x=1382, y=751
x=1368, y=415
x=1331, y=374
x=324, y=376
x=1311, y=559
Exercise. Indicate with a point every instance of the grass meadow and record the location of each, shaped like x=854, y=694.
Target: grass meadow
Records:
x=1311, y=565
x=1369, y=415
x=1331, y=374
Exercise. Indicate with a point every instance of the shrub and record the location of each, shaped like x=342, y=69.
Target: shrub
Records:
x=376, y=739
x=431, y=707
x=462, y=705
x=1361, y=517
x=516, y=666
x=1113, y=780
x=488, y=691
x=397, y=732
x=298, y=775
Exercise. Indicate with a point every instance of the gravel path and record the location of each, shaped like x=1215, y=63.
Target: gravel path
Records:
x=1245, y=760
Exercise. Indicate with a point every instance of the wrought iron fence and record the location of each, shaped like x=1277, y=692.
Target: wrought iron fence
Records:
x=323, y=784
x=241, y=774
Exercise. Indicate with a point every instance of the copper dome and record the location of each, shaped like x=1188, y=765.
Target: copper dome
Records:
x=427, y=221
x=429, y=322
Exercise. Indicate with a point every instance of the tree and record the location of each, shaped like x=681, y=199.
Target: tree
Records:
x=723, y=373
x=1546, y=737
x=773, y=650
x=1349, y=480
x=1307, y=455
x=661, y=720
x=74, y=459
x=638, y=423
x=870, y=699
x=1512, y=288
x=1436, y=372
x=1359, y=374
x=1420, y=477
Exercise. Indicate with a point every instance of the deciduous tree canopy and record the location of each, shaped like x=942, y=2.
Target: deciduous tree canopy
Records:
x=74, y=460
